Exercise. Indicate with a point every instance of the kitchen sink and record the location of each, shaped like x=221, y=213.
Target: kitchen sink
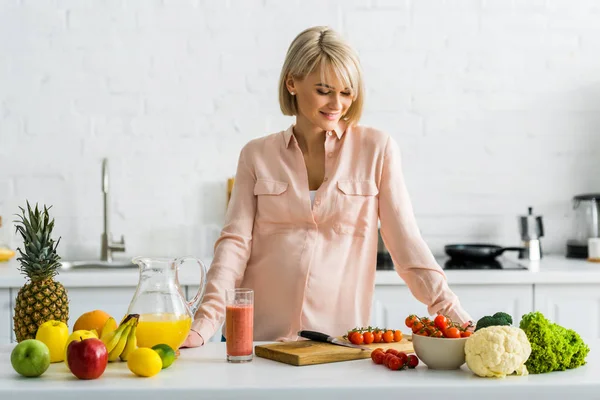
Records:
x=97, y=264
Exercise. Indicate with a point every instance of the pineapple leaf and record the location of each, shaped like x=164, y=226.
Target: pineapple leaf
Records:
x=38, y=259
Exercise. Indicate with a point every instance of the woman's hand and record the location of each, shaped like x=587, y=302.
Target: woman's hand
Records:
x=193, y=340
x=469, y=326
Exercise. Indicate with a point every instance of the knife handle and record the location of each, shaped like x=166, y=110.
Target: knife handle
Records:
x=316, y=336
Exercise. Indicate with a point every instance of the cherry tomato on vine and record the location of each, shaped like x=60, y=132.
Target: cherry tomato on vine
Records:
x=368, y=337
x=377, y=336
x=441, y=322
x=357, y=338
x=377, y=356
x=452, y=333
x=410, y=320
x=388, y=336
x=394, y=363
x=417, y=326
x=397, y=335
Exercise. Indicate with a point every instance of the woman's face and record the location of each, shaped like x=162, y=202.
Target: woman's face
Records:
x=322, y=101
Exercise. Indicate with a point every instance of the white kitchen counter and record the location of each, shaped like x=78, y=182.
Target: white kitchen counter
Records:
x=203, y=373
x=552, y=269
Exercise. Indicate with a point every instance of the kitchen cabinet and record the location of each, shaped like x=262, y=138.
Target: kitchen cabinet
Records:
x=393, y=303
x=5, y=316
x=574, y=306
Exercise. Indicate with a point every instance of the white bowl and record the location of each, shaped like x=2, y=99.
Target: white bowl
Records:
x=440, y=353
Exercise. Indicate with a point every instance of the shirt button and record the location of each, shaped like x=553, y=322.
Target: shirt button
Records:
x=325, y=179
x=317, y=202
x=330, y=155
x=329, y=133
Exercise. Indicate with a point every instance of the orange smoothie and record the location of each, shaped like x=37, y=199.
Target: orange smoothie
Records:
x=171, y=329
x=239, y=323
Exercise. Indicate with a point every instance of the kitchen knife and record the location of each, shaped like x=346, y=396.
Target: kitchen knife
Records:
x=322, y=337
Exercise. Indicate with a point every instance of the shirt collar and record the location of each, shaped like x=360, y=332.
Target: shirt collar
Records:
x=288, y=134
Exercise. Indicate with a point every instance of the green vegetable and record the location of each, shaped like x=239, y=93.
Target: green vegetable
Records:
x=498, y=319
x=553, y=348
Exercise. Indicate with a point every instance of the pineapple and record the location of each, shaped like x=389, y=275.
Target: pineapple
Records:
x=42, y=299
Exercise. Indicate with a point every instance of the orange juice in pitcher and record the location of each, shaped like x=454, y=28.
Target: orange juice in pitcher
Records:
x=160, y=328
x=165, y=314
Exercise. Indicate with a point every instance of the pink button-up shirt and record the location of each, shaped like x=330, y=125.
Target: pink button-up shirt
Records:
x=313, y=267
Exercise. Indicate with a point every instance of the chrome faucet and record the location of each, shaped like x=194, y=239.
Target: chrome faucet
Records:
x=108, y=245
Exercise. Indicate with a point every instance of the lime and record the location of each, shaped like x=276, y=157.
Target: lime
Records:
x=166, y=353
x=144, y=362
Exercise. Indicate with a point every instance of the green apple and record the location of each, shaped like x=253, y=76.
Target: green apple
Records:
x=30, y=358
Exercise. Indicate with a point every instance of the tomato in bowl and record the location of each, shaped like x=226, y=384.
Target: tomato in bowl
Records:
x=438, y=342
x=440, y=353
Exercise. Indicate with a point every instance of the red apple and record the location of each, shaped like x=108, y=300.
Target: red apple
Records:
x=87, y=358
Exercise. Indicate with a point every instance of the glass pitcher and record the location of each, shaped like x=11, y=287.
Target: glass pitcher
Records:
x=165, y=314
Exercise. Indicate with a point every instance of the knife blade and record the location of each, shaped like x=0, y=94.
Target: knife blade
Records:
x=322, y=337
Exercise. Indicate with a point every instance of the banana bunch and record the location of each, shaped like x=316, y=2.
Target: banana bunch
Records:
x=121, y=342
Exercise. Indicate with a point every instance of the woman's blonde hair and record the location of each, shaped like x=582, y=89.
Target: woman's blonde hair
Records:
x=320, y=47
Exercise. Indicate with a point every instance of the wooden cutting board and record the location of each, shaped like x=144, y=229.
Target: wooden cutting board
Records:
x=308, y=352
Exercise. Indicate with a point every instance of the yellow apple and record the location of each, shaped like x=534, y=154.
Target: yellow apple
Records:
x=78, y=335
x=54, y=334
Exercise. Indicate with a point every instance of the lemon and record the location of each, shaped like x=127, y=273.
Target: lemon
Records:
x=54, y=334
x=144, y=362
x=6, y=254
x=166, y=353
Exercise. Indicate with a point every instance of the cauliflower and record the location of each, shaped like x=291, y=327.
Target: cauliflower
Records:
x=497, y=351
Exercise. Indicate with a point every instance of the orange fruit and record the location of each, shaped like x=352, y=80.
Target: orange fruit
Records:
x=92, y=320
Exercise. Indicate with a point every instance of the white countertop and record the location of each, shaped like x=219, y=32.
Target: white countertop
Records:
x=203, y=373
x=551, y=269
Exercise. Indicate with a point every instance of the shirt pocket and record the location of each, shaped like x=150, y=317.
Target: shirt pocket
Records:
x=356, y=202
x=272, y=204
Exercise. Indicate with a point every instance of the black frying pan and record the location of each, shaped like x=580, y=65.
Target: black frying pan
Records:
x=477, y=251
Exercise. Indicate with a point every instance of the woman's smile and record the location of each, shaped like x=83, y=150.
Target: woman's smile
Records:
x=331, y=116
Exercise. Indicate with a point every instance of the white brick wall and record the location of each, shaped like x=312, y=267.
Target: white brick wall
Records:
x=495, y=103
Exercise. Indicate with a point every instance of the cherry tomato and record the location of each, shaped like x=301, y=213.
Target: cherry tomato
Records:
x=394, y=363
x=403, y=357
x=388, y=336
x=368, y=337
x=377, y=336
x=437, y=333
x=379, y=349
x=417, y=326
x=452, y=333
x=465, y=334
x=441, y=322
x=426, y=321
x=397, y=336
x=357, y=338
x=377, y=356
x=387, y=358
x=413, y=361
x=423, y=332
x=392, y=351
x=410, y=320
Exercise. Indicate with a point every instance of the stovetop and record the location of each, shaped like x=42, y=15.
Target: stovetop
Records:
x=499, y=263
x=384, y=262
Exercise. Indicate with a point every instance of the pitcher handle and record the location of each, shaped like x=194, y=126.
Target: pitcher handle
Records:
x=195, y=302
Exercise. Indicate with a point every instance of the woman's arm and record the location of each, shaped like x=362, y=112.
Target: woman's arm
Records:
x=232, y=251
x=412, y=259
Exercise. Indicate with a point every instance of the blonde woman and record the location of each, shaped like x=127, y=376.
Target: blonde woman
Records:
x=301, y=226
